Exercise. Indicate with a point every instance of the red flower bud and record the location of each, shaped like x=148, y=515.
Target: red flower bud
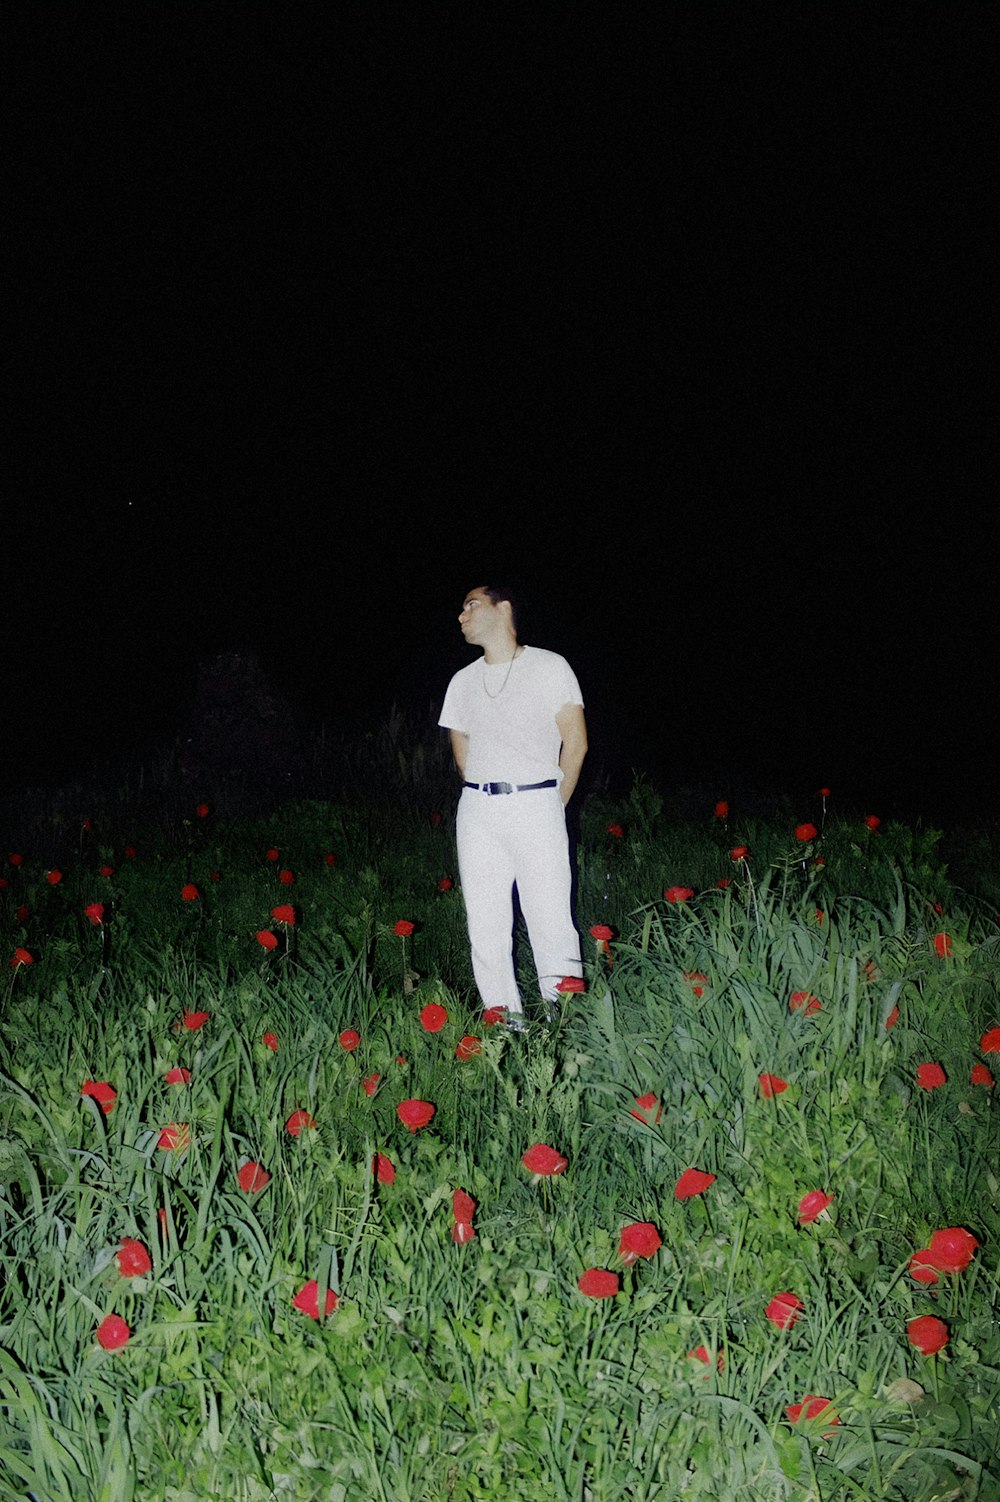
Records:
x=113, y=1333
x=598, y=1284
x=133, y=1260
x=307, y=1299
x=927, y=1333
x=415, y=1114
x=691, y=1182
x=543, y=1161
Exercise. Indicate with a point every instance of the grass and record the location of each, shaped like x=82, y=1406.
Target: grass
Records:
x=451, y=1372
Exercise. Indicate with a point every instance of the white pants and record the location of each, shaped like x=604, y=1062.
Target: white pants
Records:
x=508, y=839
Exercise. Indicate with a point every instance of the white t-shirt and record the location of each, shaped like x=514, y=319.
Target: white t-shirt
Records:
x=510, y=717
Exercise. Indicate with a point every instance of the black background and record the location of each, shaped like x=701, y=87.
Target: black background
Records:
x=683, y=320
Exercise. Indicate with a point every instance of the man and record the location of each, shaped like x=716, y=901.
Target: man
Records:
x=519, y=738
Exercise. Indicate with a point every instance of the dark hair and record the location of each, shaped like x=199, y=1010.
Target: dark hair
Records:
x=497, y=592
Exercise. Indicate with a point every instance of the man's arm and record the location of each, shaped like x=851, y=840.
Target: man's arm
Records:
x=459, y=749
x=573, y=729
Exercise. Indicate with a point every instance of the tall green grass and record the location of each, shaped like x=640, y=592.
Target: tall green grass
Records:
x=476, y=1371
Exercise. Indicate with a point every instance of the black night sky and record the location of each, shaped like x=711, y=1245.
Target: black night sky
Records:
x=683, y=319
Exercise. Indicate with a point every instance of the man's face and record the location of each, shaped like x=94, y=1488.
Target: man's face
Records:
x=478, y=616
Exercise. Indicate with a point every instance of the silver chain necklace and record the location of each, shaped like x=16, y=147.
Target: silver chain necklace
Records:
x=506, y=675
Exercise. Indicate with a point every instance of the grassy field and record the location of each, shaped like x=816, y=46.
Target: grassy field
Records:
x=769, y=1106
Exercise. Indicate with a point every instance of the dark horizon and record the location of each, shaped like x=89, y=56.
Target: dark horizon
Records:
x=687, y=330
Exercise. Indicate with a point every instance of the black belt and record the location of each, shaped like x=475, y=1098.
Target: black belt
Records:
x=505, y=787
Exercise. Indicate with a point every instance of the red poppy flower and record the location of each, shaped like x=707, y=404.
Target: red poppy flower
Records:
x=436, y=820
x=543, y=1161
x=739, y=852
x=598, y=1284
x=700, y=1353
x=203, y=810
x=820, y=916
x=175, y=1138
x=462, y=1231
x=349, y=1040
x=942, y=946
x=102, y=1092
x=133, y=1260
x=329, y=859
x=493, y=1015
x=415, y=1114
x=678, y=894
x=804, y=999
x=953, y=1249
x=194, y=1020
x=892, y=1019
x=930, y=1076
x=106, y=871
x=771, y=1085
x=981, y=1076
x=722, y=809
x=385, y=1171
x=130, y=852
x=270, y=1040
x=812, y=1407
x=570, y=984
x=433, y=1017
x=53, y=878
x=650, y=1110
x=616, y=831
x=214, y=876
x=272, y=854
x=266, y=939
x=284, y=913
x=873, y=821
x=468, y=1046
x=189, y=892
x=601, y=932
x=22, y=957
x=723, y=883
x=252, y=1178
x=824, y=792
x=922, y=1268
x=463, y=1206
x=784, y=1310
x=990, y=1042
x=370, y=1083
x=307, y=1299
x=640, y=1239
x=403, y=928
x=812, y=1205
x=927, y=1333
x=805, y=832
x=177, y=1076
x=445, y=884
x=298, y=1122
x=697, y=981
x=692, y=1181
x=95, y=912
x=112, y=1333
x=287, y=878
x=15, y=859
